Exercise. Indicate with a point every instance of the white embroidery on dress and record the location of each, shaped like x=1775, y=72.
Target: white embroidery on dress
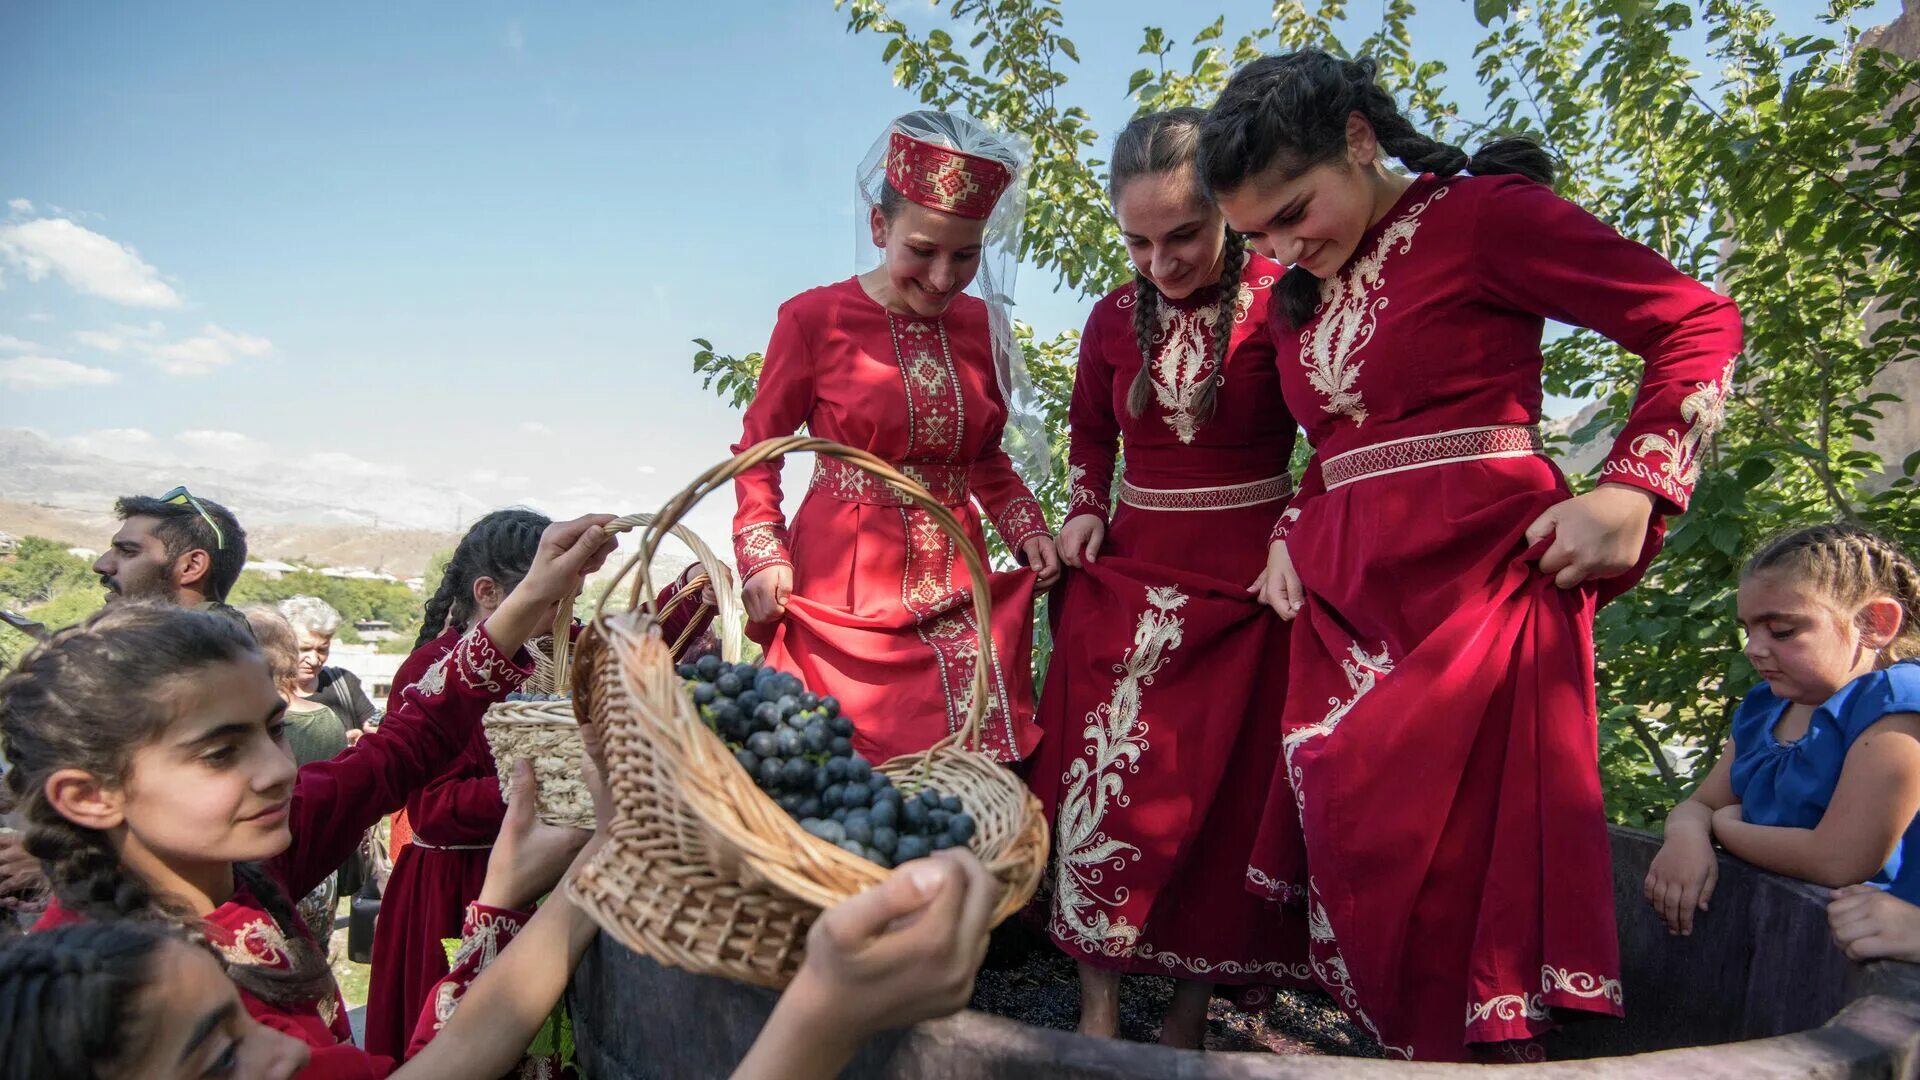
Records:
x=1182, y=364
x=258, y=943
x=1705, y=410
x=1581, y=984
x=1078, y=493
x=1344, y=320
x=1332, y=969
x=433, y=682
x=1274, y=889
x=1363, y=670
x=1097, y=778
x=1198, y=966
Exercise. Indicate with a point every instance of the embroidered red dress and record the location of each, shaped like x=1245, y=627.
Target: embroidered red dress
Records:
x=1441, y=737
x=455, y=819
x=334, y=802
x=880, y=615
x=1162, y=701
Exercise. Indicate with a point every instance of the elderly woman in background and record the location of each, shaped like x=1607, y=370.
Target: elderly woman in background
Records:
x=314, y=733
x=314, y=623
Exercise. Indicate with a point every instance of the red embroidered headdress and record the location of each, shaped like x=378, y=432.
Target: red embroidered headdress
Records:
x=943, y=179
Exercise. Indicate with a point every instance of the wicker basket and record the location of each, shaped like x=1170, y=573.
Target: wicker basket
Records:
x=546, y=731
x=703, y=870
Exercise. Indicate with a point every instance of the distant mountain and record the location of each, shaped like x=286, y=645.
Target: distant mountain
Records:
x=35, y=469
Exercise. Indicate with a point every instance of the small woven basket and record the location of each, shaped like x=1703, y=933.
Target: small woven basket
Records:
x=546, y=732
x=703, y=870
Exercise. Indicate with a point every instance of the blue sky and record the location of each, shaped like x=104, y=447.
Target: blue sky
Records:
x=467, y=243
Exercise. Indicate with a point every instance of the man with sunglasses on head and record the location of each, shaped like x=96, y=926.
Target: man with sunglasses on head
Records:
x=174, y=549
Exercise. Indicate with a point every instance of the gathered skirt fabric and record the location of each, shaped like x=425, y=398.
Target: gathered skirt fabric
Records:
x=1438, y=804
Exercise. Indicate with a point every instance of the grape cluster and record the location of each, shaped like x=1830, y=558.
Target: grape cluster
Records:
x=527, y=695
x=798, y=747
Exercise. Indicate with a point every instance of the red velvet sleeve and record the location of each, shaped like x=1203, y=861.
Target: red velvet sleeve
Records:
x=1093, y=430
x=345, y=1062
x=335, y=801
x=1544, y=255
x=1310, y=486
x=690, y=618
x=781, y=403
x=484, y=932
x=1007, y=500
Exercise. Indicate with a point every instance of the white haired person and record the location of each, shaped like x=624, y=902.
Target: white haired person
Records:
x=314, y=623
x=863, y=596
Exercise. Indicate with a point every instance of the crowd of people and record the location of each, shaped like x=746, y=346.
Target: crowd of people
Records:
x=1340, y=734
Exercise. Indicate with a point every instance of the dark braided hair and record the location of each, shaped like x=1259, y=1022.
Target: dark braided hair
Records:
x=89, y=698
x=1149, y=146
x=499, y=546
x=1851, y=565
x=69, y=998
x=1289, y=112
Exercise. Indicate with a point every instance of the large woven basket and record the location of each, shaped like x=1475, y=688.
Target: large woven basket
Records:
x=703, y=870
x=546, y=731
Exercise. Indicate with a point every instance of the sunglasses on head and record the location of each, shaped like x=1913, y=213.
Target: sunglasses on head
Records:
x=180, y=496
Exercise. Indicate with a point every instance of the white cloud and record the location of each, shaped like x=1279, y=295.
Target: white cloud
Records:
x=47, y=372
x=9, y=343
x=225, y=442
x=86, y=260
x=646, y=470
x=336, y=463
x=120, y=337
x=39, y=316
x=109, y=442
x=214, y=348
x=535, y=427
x=20, y=206
x=514, y=39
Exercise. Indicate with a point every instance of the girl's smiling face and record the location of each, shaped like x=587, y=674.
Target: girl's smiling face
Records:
x=213, y=788
x=931, y=256
x=1172, y=232
x=196, y=1028
x=1314, y=215
x=1802, y=645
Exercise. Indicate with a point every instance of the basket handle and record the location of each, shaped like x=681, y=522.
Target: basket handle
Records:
x=669, y=516
x=729, y=616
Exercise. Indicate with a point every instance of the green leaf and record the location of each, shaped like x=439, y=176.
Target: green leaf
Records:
x=1488, y=10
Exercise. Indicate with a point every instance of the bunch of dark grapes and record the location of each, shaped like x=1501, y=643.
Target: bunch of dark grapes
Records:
x=798, y=747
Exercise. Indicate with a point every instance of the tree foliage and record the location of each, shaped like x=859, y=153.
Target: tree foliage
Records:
x=1786, y=178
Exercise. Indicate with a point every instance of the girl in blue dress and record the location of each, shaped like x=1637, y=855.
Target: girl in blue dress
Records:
x=1822, y=780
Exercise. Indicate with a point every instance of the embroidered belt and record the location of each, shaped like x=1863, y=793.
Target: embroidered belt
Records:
x=850, y=483
x=1224, y=497
x=1425, y=451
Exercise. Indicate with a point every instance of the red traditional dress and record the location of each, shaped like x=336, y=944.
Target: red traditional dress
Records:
x=1441, y=736
x=1163, y=694
x=880, y=615
x=334, y=802
x=455, y=817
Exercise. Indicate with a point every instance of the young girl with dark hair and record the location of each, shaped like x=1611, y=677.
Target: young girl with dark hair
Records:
x=123, y=1000
x=866, y=599
x=147, y=750
x=1159, y=744
x=455, y=816
x=1440, y=740
x=1821, y=778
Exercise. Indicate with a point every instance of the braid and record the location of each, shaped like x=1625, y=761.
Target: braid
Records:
x=1851, y=565
x=70, y=998
x=1233, y=261
x=1146, y=327
x=499, y=546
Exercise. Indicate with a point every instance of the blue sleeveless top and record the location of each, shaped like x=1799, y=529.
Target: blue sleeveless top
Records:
x=1790, y=784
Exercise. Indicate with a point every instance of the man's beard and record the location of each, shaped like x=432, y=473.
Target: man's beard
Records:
x=154, y=590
